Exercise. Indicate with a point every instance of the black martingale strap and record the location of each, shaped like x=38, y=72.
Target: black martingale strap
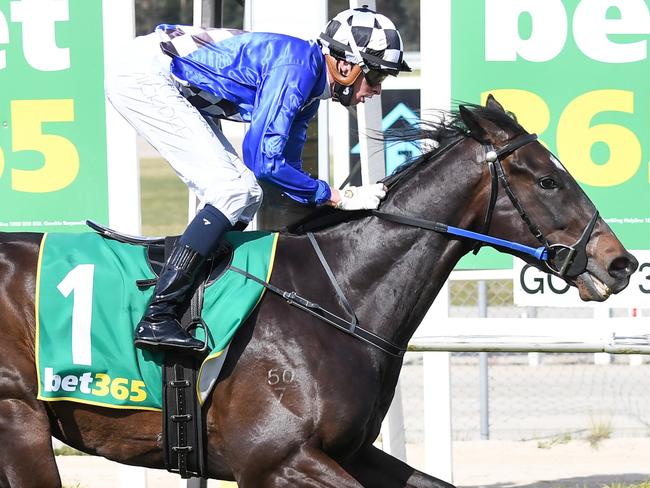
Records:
x=353, y=329
x=332, y=278
x=497, y=175
x=355, y=169
x=330, y=217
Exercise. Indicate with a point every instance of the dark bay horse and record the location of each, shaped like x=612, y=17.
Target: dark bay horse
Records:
x=298, y=403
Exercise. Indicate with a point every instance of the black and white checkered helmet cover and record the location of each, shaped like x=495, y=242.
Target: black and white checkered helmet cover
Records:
x=376, y=37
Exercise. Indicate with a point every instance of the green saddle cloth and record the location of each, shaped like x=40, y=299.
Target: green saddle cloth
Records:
x=88, y=304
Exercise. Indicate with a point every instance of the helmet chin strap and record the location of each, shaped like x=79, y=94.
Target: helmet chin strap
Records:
x=343, y=90
x=343, y=94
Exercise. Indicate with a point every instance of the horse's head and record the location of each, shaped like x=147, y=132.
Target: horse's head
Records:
x=538, y=201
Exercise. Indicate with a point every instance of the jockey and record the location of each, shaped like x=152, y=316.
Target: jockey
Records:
x=176, y=83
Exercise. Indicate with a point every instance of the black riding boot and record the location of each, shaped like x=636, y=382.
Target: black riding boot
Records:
x=160, y=326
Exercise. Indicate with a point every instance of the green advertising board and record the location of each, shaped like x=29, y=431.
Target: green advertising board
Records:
x=576, y=73
x=53, y=169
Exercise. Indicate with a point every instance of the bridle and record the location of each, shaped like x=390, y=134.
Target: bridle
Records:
x=565, y=261
x=560, y=259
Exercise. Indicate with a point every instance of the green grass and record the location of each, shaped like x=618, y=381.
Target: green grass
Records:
x=164, y=199
x=643, y=484
x=561, y=439
x=598, y=432
x=68, y=451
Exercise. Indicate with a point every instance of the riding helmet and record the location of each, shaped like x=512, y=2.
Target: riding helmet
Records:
x=362, y=36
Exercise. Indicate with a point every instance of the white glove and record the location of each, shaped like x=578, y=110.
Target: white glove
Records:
x=365, y=197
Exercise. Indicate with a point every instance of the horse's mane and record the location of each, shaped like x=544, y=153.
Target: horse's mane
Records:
x=432, y=137
x=447, y=128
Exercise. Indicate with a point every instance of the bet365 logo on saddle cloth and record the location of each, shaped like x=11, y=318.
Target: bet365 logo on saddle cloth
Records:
x=89, y=304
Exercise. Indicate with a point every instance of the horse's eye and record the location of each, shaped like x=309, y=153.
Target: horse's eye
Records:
x=548, y=183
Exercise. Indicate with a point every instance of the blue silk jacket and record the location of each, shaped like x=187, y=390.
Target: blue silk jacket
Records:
x=273, y=81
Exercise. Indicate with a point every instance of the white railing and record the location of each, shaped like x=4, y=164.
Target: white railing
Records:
x=610, y=335
x=439, y=335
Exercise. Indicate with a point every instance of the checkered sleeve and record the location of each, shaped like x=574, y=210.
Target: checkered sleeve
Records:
x=178, y=41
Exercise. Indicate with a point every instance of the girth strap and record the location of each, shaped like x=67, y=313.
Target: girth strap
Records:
x=183, y=423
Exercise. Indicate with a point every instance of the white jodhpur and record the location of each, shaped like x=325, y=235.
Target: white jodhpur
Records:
x=143, y=91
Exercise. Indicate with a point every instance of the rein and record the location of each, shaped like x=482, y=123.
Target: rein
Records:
x=537, y=252
x=560, y=259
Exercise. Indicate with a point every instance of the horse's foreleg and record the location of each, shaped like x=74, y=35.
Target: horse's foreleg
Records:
x=26, y=457
x=308, y=467
x=374, y=468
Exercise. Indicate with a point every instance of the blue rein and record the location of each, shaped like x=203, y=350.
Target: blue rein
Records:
x=540, y=253
x=497, y=174
x=560, y=259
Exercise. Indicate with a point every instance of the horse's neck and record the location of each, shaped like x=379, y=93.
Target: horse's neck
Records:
x=392, y=273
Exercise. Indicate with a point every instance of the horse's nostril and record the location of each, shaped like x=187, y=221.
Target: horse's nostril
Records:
x=623, y=266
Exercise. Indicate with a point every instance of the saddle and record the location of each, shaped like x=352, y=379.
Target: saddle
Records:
x=158, y=248
x=184, y=433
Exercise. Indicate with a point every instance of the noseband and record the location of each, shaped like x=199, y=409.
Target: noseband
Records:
x=560, y=259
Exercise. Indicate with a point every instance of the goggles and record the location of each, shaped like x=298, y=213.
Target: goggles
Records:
x=374, y=77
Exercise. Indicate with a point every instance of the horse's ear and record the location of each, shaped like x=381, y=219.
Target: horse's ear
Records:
x=481, y=129
x=493, y=104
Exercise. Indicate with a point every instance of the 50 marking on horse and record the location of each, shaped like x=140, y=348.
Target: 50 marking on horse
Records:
x=277, y=378
x=118, y=388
